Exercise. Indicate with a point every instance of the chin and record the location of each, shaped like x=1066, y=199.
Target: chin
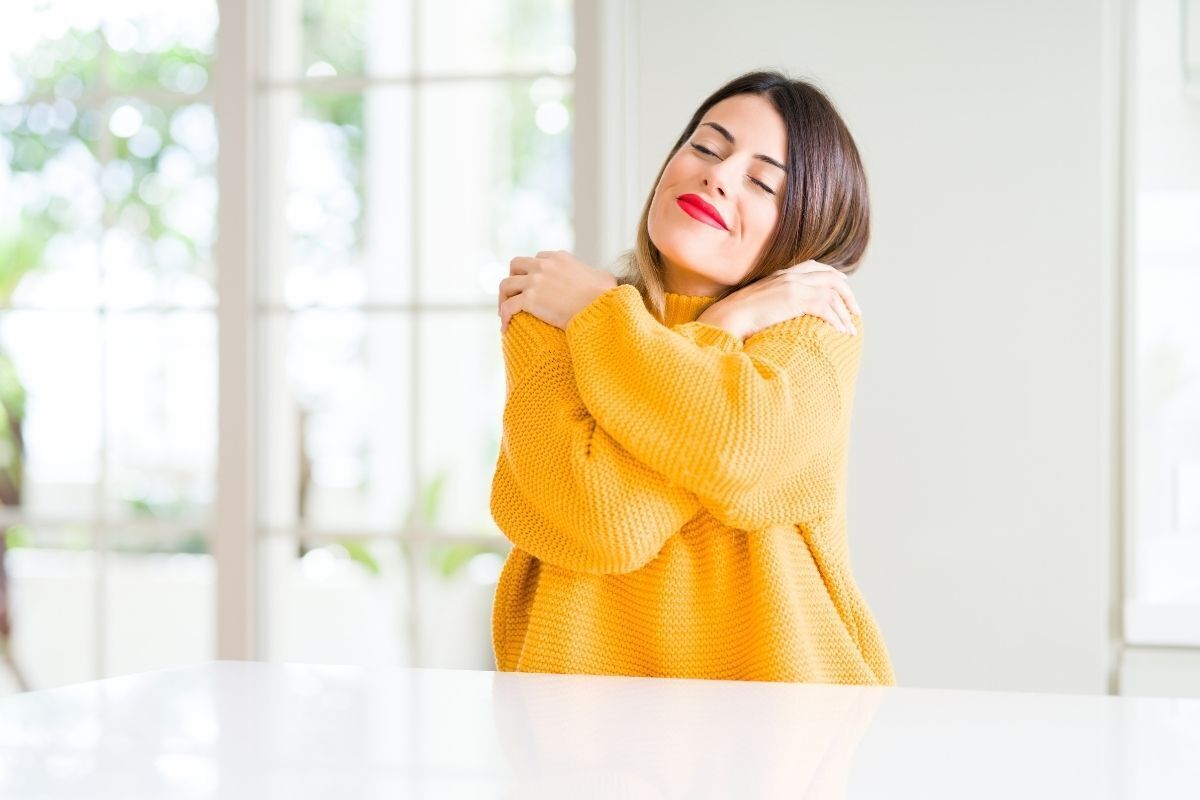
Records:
x=695, y=260
x=690, y=247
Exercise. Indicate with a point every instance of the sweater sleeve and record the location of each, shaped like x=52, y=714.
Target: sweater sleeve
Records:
x=725, y=423
x=564, y=490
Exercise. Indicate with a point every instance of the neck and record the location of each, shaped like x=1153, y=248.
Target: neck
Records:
x=681, y=281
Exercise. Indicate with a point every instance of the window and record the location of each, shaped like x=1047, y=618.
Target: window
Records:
x=107, y=335
x=404, y=151
x=1163, y=352
x=411, y=149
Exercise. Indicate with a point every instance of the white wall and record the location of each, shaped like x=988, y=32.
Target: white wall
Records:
x=982, y=513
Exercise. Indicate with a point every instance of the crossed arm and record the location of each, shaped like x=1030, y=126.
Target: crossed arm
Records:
x=619, y=430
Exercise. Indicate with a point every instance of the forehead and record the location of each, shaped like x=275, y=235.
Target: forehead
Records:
x=753, y=121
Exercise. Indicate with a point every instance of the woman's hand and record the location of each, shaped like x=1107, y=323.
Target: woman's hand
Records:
x=808, y=288
x=553, y=286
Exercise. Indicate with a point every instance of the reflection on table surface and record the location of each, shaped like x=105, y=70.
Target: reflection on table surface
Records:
x=254, y=730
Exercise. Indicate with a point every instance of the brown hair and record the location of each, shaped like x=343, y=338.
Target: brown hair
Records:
x=826, y=212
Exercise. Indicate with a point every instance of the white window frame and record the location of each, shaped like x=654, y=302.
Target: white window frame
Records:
x=233, y=540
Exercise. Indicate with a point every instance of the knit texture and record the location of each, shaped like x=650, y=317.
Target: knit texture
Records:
x=676, y=499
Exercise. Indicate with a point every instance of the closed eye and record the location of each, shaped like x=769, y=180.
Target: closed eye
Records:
x=764, y=186
x=708, y=152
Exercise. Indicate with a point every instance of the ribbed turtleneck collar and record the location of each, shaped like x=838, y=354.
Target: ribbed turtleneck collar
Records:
x=684, y=307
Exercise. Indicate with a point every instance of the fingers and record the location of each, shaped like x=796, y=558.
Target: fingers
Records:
x=522, y=265
x=511, y=285
x=827, y=312
x=508, y=308
x=811, y=266
x=829, y=276
x=847, y=296
x=830, y=314
x=844, y=324
x=510, y=300
x=826, y=303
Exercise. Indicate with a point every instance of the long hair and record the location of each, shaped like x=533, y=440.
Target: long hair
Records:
x=826, y=211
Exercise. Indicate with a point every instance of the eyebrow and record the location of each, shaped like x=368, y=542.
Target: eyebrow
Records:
x=729, y=137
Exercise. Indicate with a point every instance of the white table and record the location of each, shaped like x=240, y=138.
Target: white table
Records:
x=251, y=730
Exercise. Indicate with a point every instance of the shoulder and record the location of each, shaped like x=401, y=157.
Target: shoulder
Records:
x=808, y=333
x=526, y=330
x=808, y=345
x=526, y=343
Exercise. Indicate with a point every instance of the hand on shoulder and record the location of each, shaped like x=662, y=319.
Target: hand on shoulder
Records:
x=553, y=286
x=810, y=288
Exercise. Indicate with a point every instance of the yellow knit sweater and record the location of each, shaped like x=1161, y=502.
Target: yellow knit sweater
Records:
x=676, y=499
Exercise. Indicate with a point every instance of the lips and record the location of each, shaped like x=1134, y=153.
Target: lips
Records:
x=698, y=208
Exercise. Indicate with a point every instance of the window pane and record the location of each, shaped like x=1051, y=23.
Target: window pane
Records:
x=335, y=420
x=357, y=37
x=457, y=583
x=321, y=38
x=163, y=199
x=51, y=362
x=324, y=38
x=50, y=220
x=495, y=182
x=52, y=584
x=49, y=49
x=160, y=602
x=1166, y=328
x=337, y=209
x=335, y=603
x=162, y=415
x=461, y=401
x=154, y=47
x=156, y=191
x=482, y=36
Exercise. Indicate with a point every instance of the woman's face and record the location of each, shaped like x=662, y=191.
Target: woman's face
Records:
x=731, y=165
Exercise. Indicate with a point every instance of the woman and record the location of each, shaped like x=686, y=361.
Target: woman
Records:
x=673, y=464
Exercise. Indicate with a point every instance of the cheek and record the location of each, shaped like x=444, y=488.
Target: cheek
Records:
x=664, y=193
x=760, y=222
x=679, y=170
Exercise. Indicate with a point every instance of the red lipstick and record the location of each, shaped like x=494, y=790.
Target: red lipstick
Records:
x=698, y=208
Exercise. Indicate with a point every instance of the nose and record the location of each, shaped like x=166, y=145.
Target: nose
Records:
x=715, y=176
x=719, y=187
